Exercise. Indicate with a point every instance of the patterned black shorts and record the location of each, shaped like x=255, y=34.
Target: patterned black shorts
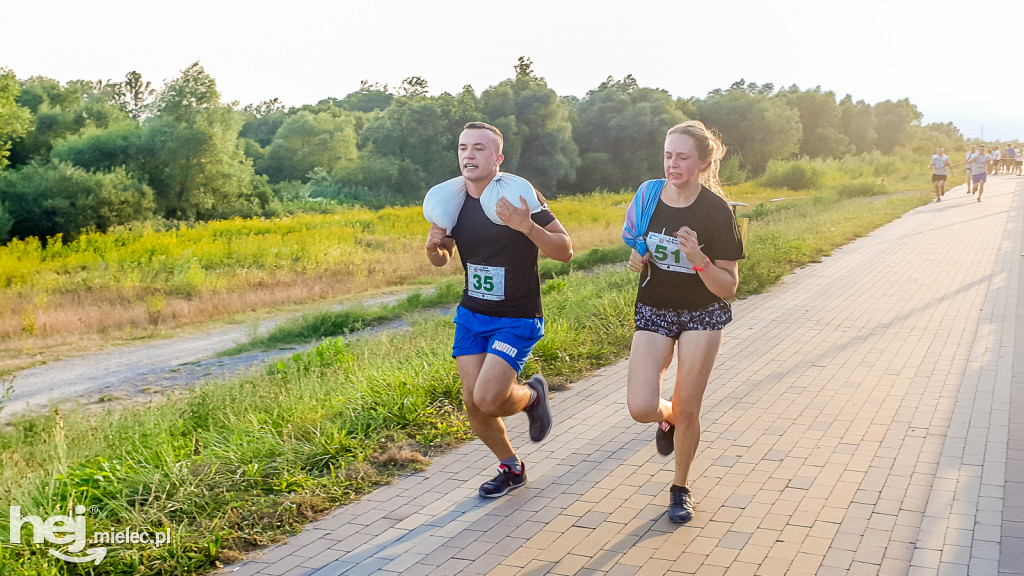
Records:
x=672, y=323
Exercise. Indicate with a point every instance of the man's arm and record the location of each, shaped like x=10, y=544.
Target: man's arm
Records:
x=552, y=239
x=440, y=248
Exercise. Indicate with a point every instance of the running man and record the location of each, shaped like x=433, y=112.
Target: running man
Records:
x=979, y=164
x=995, y=159
x=499, y=320
x=940, y=165
x=970, y=170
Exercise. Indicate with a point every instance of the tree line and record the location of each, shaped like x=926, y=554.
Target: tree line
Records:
x=93, y=154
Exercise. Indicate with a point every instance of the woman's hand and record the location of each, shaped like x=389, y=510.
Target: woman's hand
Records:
x=690, y=246
x=637, y=262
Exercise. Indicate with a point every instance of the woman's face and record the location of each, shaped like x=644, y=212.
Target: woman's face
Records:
x=682, y=164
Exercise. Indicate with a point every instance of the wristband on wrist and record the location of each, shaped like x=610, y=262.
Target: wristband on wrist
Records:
x=707, y=264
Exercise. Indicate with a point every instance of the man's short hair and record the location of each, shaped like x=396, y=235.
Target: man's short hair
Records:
x=492, y=129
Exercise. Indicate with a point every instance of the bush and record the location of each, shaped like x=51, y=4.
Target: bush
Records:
x=730, y=172
x=44, y=200
x=802, y=174
x=862, y=188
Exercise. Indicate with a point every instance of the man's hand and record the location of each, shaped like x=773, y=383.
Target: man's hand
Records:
x=434, y=237
x=517, y=218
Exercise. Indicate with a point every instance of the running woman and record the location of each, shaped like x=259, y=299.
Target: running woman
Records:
x=499, y=320
x=689, y=245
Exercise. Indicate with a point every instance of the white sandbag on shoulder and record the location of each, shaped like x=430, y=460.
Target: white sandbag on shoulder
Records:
x=509, y=186
x=443, y=202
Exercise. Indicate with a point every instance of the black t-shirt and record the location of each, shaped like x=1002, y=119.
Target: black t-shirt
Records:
x=500, y=264
x=674, y=285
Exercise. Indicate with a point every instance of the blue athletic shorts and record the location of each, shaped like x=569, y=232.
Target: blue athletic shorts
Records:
x=511, y=339
x=979, y=178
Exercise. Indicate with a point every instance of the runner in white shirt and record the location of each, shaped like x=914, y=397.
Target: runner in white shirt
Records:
x=970, y=172
x=979, y=163
x=996, y=157
x=940, y=164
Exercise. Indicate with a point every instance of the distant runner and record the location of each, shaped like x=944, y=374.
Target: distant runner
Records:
x=979, y=164
x=970, y=168
x=940, y=165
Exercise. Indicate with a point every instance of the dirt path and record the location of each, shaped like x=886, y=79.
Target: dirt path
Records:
x=135, y=372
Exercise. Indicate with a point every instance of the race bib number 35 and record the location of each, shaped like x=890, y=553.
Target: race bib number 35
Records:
x=486, y=282
x=666, y=255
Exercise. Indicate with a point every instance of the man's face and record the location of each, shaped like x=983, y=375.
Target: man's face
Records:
x=478, y=154
x=939, y=151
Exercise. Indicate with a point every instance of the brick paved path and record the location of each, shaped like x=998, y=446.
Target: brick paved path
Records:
x=858, y=422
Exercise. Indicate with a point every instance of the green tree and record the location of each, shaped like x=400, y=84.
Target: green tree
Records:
x=821, y=120
x=369, y=98
x=62, y=111
x=14, y=119
x=752, y=124
x=858, y=124
x=191, y=156
x=413, y=86
x=307, y=141
x=422, y=131
x=621, y=132
x=188, y=94
x=132, y=95
x=262, y=121
x=102, y=149
x=924, y=139
x=536, y=127
x=894, y=121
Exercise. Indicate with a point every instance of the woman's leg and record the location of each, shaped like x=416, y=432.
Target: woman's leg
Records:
x=649, y=357
x=697, y=352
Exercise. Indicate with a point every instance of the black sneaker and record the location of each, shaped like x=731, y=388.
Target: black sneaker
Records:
x=539, y=412
x=680, y=505
x=505, y=482
x=665, y=438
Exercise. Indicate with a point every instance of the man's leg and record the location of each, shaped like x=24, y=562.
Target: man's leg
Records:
x=489, y=392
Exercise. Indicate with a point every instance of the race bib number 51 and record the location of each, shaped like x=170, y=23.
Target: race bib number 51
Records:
x=486, y=282
x=666, y=254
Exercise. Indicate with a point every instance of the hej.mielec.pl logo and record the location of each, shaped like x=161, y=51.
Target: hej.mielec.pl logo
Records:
x=63, y=530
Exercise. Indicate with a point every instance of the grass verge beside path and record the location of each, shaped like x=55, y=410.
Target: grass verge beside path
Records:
x=235, y=465
x=311, y=327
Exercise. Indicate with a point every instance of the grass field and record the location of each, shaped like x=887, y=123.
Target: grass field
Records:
x=233, y=465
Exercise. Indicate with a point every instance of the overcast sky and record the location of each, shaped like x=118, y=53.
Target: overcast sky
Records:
x=958, y=65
